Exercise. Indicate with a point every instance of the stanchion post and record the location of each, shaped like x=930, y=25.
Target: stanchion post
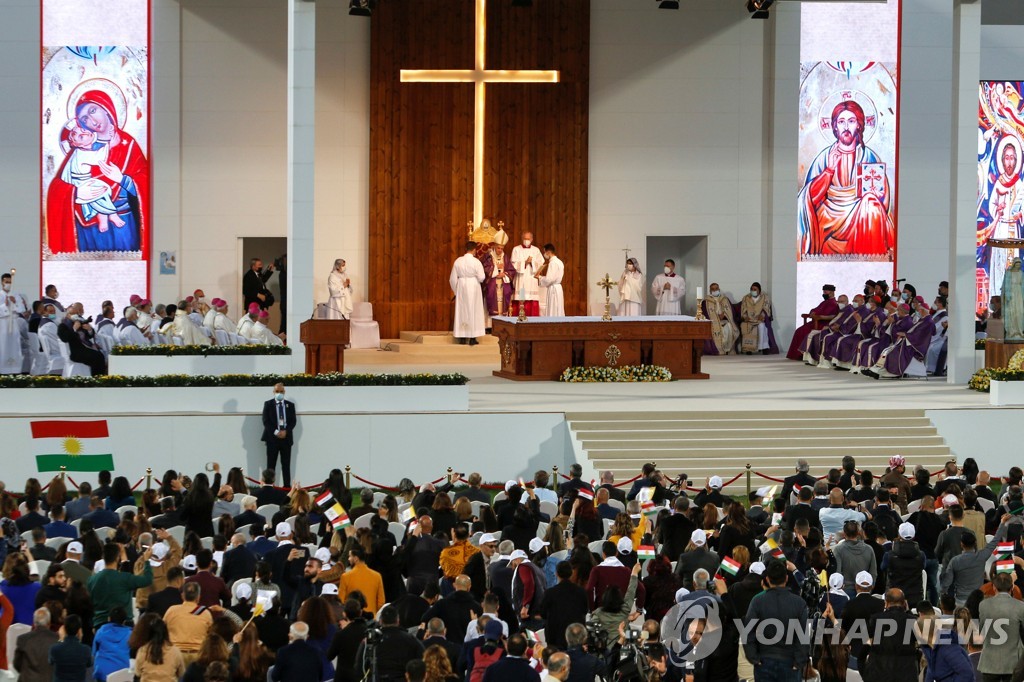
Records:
x=748, y=486
x=554, y=477
x=348, y=476
x=149, y=478
x=63, y=472
x=450, y=472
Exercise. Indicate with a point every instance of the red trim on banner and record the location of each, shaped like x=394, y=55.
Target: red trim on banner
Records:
x=65, y=429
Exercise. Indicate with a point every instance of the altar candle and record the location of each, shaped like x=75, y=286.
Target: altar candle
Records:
x=700, y=293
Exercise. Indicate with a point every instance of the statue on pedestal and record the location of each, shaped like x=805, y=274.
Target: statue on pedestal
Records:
x=1013, y=303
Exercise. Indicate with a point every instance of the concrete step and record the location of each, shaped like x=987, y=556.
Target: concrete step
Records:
x=613, y=417
x=627, y=422
x=759, y=433
x=781, y=459
x=761, y=443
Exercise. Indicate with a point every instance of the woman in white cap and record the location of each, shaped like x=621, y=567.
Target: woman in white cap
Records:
x=836, y=595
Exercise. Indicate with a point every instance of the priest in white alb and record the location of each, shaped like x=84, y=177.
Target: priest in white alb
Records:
x=465, y=280
x=128, y=333
x=339, y=306
x=631, y=290
x=669, y=288
x=221, y=322
x=261, y=333
x=211, y=316
x=182, y=326
x=527, y=259
x=11, y=356
x=551, y=280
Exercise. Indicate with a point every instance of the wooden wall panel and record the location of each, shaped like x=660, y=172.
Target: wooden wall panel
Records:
x=421, y=148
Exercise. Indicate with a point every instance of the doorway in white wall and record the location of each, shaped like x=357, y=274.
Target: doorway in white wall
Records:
x=691, y=256
x=269, y=250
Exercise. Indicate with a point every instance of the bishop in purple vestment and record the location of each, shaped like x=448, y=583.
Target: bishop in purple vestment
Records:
x=868, y=354
x=500, y=276
x=908, y=345
x=812, y=344
x=842, y=357
x=814, y=321
x=841, y=328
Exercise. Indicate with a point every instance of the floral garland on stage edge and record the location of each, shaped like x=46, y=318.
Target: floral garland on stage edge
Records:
x=232, y=380
x=1014, y=371
x=166, y=349
x=646, y=373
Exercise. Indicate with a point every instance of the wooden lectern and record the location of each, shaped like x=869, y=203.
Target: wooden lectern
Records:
x=325, y=342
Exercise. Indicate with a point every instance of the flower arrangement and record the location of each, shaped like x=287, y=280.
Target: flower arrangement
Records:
x=980, y=381
x=232, y=380
x=253, y=349
x=979, y=344
x=1017, y=361
x=625, y=373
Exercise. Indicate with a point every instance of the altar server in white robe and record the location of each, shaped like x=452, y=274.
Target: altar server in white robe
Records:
x=11, y=353
x=21, y=310
x=669, y=288
x=48, y=333
x=631, y=290
x=941, y=319
x=551, y=279
x=244, y=328
x=128, y=331
x=183, y=326
x=339, y=306
x=527, y=259
x=261, y=334
x=465, y=280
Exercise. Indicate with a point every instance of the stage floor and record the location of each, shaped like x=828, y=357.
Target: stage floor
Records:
x=737, y=383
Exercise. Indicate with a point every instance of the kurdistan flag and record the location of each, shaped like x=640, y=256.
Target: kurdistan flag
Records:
x=76, y=445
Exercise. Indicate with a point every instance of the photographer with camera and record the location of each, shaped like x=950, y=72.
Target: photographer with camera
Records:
x=387, y=648
x=254, y=286
x=584, y=666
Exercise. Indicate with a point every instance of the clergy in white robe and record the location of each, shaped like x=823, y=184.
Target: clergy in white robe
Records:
x=527, y=259
x=211, y=315
x=183, y=326
x=669, y=288
x=339, y=286
x=941, y=319
x=261, y=334
x=11, y=353
x=221, y=322
x=551, y=280
x=48, y=336
x=146, y=318
x=244, y=328
x=631, y=290
x=466, y=277
x=127, y=330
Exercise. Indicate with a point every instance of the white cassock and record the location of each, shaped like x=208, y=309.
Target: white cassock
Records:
x=11, y=356
x=182, y=326
x=209, y=318
x=262, y=335
x=631, y=294
x=527, y=288
x=48, y=336
x=225, y=324
x=939, y=338
x=198, y=321
x=668, y=300
x=339, y=306
x=465, y=280
x=244, y=328
x=552, y=281
x=132, y=335
x=144, y=321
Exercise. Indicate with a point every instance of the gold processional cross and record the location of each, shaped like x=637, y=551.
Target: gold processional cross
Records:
x=480, y=76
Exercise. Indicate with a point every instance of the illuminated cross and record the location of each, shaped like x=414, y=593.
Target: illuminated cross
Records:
x=480, y=76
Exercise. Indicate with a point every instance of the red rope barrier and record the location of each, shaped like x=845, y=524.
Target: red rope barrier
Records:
x=372, y=484
x=769, y=478
x=46, y=486
x=278, y=487
x=138, y=484
x=72, y=481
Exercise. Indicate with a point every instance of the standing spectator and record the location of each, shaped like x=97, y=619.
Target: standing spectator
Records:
x=300, y=660
x=798, y=480
x=456, y=610
x=111, y=587
x=213, y=591
x=32, y=652
x=853, y=556
x=891, y=653
x=966, y=572
x=346, y=642
x=945, y=658
x=515, y=667
x=858, y=613
x=362, y=578
x=904, y=565
x=397, y=647
x=20, y=589
x=783, y=660
x=279, y=422
x=563, y=604
x=999, y=654
x=584, y=666
x=70, y=658
x=188, y=623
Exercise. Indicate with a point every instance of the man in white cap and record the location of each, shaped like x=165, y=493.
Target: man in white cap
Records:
x=165, y=554
x=287, y=563
x=242, y=606
x=73, y=567
x=528, y=585
x=329, y=592
x=712, y=493
x=624, y=546
x=698, y=555
x=476, y=567
x=858, y=613
x=903, y=565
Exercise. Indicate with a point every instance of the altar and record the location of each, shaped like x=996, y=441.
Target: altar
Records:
x=541, y=348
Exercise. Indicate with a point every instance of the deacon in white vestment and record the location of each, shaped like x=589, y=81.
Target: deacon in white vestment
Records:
x=552, y=281
x=631, y=290
x=182, y=326
x=11, y=352
x=465, y=280
x=527, y=259
x=261, y=334
x=339, y=306
x=669, y=288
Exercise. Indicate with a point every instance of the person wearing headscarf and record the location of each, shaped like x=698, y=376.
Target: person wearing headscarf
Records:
x=631, y=290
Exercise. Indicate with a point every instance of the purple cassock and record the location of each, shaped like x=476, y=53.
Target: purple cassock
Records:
x=490, y=284
x=848, y=325
x=847, y=346
x=813, y=344
x=827, y=308
x=869, y=352
x=913, y=345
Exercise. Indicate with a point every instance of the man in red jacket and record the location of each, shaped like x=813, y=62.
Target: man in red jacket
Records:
x=610, y=572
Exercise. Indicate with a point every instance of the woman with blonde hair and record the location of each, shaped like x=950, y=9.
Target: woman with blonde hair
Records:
x=56, y=494
x=622, y=527
x=439, y=666
x=464, y=509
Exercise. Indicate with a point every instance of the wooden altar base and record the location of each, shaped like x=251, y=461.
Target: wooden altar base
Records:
x=998, y=354
x=540, y=349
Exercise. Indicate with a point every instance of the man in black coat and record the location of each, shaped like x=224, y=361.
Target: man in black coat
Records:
x=584, y=666
x=857, y=614
x=895, y=656
x=676, y=529
x=563, y=604
x=254, y=285
x=436, y=634
x=287, y=564
x=455, y=610
x=608, y=483
x=515, y=667
x=802, y=510
x=397, y=647
x=800, y=478
x=68, y=331
x=238, y=562
x=300, y=660
x=346, y=642
x=278, y=424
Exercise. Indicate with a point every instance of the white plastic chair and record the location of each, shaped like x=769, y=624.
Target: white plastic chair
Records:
x=549, y=508
x=40, y=361
x=55, y=543
x=42, y=565
x=244, y=530
x=595, y=547
x=560, y=555
x=14, y=631
x=51, y=347
x=71, y=368
x=986, y=504
x=476, y=506
x=363, y=332
x=397, y=529
x=124, y=675
x=618, y=505
x=378, y=497
x=542, y=530
x=178, y=533
x=267, y=511
x=475, y=538
x=121, y=511
x=915, y=506
x=363, y=521
x=27, y=537
x=608, y=523
x=500, y=496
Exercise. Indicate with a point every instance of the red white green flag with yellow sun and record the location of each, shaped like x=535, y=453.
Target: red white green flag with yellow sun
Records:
x=75, y=445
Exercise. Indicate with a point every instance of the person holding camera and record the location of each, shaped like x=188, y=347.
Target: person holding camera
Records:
x=254, y=285
x=584, y=666
x=387, y=648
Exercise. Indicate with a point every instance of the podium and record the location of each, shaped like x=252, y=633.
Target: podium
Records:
x=325, y=342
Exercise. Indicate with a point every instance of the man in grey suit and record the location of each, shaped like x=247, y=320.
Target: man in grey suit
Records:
x=1002, y=648
x=32, y=652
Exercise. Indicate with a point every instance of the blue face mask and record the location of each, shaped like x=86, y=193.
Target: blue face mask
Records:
x=279, y=397
x=904, y=296
x=52, y=316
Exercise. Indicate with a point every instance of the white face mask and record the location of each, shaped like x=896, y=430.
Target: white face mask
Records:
x=843, y=304
x=527, y=242
x=7, y=287
x=716, y=293
x=754, y=293
x=668, y=270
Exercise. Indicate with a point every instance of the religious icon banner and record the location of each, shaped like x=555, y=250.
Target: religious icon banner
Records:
x=1000, y=186
x=95, y=181
x=848, y=140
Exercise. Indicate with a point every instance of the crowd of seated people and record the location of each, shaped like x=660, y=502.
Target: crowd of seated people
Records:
x=202, y=579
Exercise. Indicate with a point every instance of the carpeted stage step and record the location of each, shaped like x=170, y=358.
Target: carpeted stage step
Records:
x=713, y=443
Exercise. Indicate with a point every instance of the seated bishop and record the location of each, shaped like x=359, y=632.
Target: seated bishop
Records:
x=261, y=334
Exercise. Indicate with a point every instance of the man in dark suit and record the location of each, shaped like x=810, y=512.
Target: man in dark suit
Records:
x=268, y=494
x=32, y=652
x=800, y=478
x=100, y=516
x=515, y=667
x=71, y=331
x=169, y=516
x=562, y=605
x=608, y=483
x=802, y=510
x=254, y=285
x=238, y=562
x=300, y=660
x=676, y=529
x=278, y=424
x=249, y=517
x=287, y=563
x=31, y=519
x=262, y=542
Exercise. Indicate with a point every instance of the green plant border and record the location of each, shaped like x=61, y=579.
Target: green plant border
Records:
x=232, y=380
x=166, y=349
x=626, y=373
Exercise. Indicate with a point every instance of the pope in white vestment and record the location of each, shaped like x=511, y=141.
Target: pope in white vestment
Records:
x=183, y=327
x=527, y=289
x=339, y=306
x=669, y=288
x=465, y=280
x=11, y=356
x=631, y=290
x=552, y=281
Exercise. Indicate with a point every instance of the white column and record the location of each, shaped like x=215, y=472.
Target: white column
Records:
x=301, y=138
x=963, y=189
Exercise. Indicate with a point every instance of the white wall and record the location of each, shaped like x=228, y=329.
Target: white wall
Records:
x=676, y=136
x=1002, y=53
x=980, y=434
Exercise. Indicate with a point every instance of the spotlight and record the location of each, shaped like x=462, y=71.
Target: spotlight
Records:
x=522, y=3
x=759, y=8
x=361, y=8
x=668, y=4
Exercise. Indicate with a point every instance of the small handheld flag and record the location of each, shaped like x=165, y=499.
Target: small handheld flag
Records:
x=649, y=508
x=408, y=515
x=1004, y=566
x=1005, y=548
x=324, y=499
x=645, y=552
x=730, y=566
x=586, y=494
x=337, y=516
